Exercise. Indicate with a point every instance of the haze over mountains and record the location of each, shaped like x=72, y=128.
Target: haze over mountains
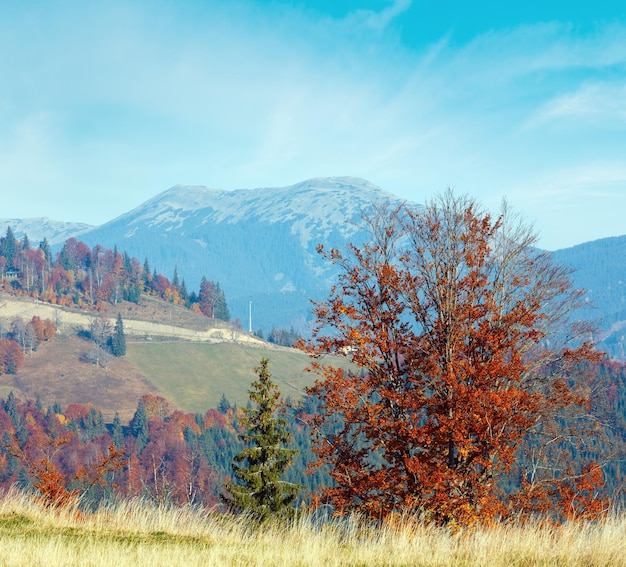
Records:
x=260, y=246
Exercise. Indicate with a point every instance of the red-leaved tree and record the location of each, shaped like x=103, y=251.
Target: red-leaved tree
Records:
x=461, y=348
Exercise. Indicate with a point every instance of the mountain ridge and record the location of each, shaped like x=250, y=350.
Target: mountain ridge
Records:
x=260, y=245
x=38, y=228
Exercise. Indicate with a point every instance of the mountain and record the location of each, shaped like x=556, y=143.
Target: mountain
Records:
x=259, y=244
x=600, y=269
x=38, y=228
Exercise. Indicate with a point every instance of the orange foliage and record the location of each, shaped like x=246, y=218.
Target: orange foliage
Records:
x=157, y=406
x=11, y=356
x=446, y=314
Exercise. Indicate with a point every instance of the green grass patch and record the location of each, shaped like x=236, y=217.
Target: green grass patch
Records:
x=195, y=375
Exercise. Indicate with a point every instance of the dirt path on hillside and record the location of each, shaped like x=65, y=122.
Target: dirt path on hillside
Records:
x=12, y=307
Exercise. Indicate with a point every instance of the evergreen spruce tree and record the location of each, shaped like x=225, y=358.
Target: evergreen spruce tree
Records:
x=44, y=245
x=8, y=246
x=117, y=432
x=184, y=294
x=128, y=264
x=221, y=307
x=258, y=489
x=118, y=340
x=224, y=404
x=139, y=426
x=146, y=276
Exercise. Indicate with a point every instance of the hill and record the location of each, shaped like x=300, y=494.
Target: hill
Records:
x=187, y=358
x=600, y=269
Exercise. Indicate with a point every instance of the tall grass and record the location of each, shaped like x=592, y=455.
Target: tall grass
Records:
x=137, y=533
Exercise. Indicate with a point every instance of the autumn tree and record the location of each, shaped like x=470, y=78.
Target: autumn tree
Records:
x=207, y=297
x=459, y=334
x=99, y=332
x=212, y=300
x=11, y=356
x=49, y=454
x=259, y=489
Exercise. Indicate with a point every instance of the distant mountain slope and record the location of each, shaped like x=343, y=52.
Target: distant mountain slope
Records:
x=39, y=228
x=258, y=244
x=600, y=269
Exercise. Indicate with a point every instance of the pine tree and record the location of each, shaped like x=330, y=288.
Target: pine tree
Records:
x=221, y=307
x=118, y=340
x=8, y=246
x=139, y=426
x=224, y=404
x=258, y=489
x=117, y=432
x=44, y=245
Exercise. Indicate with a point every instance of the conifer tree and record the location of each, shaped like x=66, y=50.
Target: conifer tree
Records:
x=224, y=404
x=221, y=307
x=146, y=276
x=118, y=340
x=8, y=246
x=44, y=245
x=117, y=432
x=184, y=294
x=139, y=426
x=258, y=489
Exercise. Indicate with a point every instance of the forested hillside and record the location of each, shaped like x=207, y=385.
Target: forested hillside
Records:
x=495, y=432
x=161, y=454
x=78, y=276
x=600, y=269
x=260, y=245
x=171, y=456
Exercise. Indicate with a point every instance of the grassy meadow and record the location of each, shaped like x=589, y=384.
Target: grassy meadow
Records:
x=195, y=375
x=138, y=533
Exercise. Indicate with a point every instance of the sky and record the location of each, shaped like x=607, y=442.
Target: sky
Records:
x=103, y=105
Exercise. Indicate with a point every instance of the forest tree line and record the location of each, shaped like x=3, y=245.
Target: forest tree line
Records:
x=166, y=455
x=79, y=276
x=175, y=457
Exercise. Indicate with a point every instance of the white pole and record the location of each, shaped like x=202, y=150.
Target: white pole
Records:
x=250, y=317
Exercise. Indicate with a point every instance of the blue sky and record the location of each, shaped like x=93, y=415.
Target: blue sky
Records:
x=105, y=104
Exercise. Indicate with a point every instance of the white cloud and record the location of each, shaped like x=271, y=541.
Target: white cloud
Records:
x=601, y=103
x=133, y=100
x=380, y=20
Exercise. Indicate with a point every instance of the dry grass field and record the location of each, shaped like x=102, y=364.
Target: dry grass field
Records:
x=137, y=533
x=207, y=359
x=57, y=372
